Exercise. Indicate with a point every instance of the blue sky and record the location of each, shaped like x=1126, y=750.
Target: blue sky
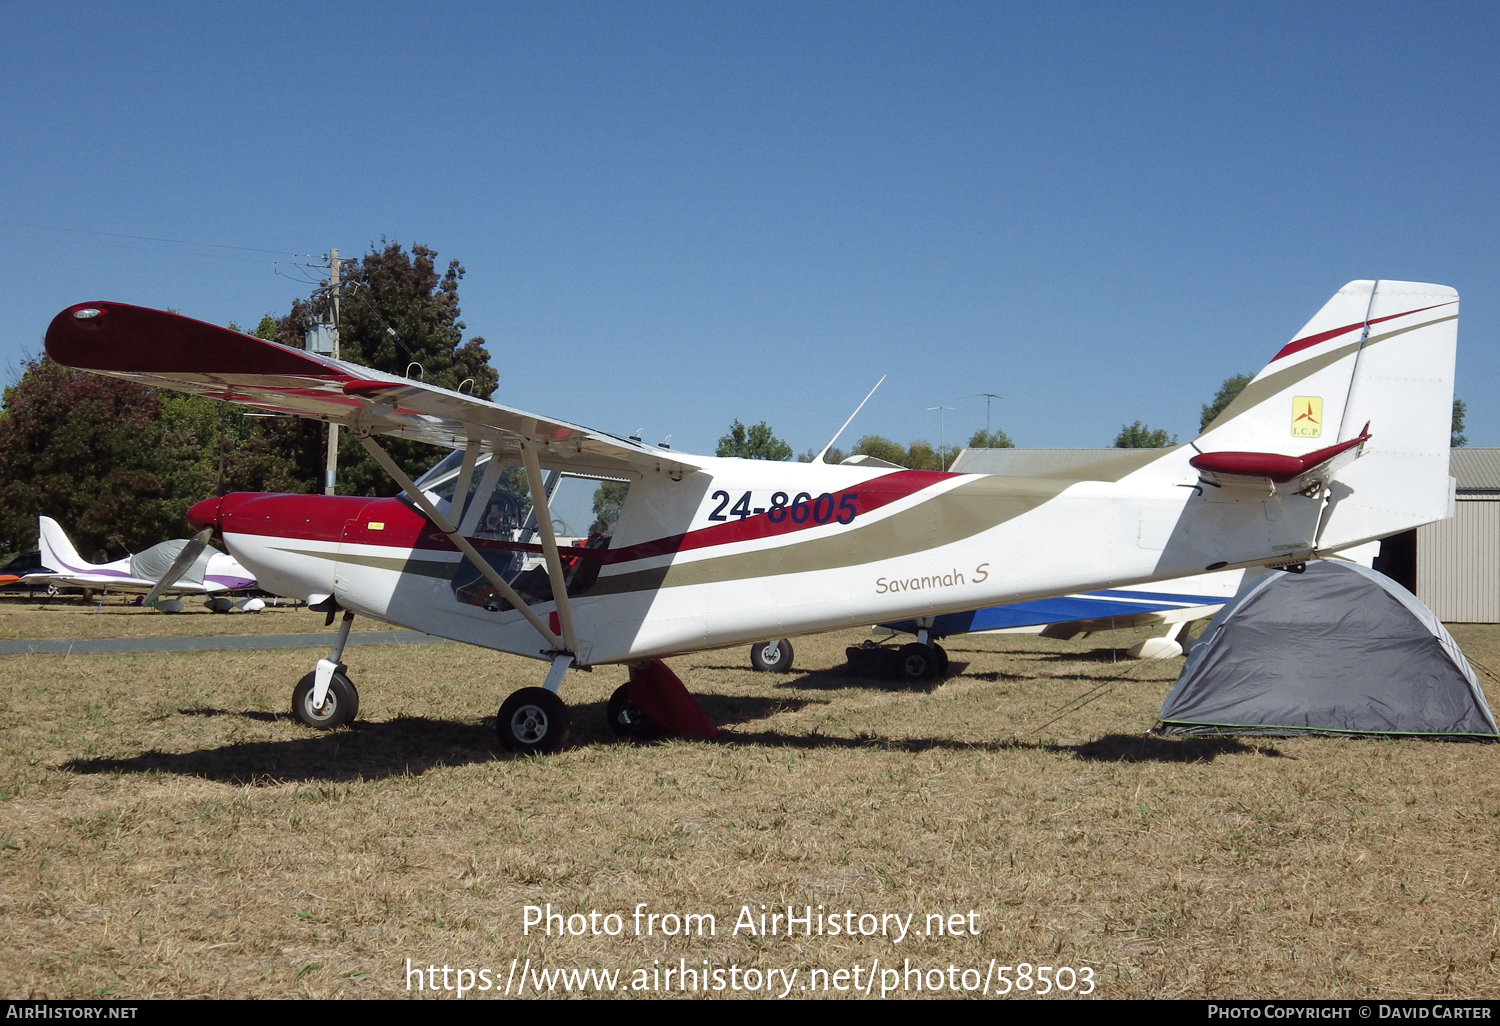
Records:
x=672, y=215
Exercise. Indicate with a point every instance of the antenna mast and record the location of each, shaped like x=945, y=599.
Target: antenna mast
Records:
x=819, y=457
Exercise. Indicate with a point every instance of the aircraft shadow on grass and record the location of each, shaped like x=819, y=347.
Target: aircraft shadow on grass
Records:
x=412, y=745
x=1144, y=748
x=1110, y=748
x=406, y=745
x=1093, y=655
x=840, y=678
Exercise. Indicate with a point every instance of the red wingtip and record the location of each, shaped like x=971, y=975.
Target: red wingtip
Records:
x=128, y=339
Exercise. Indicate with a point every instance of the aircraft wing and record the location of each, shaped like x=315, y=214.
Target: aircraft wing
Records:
x=165, y=350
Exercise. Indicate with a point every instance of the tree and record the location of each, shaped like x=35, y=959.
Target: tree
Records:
x=609, y=500
x=106, y=458
x=983, y=439
x=1457, y=438
x=397, y=309
x=881, y=449
x=1227, y=391
x=273, y=454
x=920, y=455
x=833, y=455
x=1139, y=436
x=753, y=443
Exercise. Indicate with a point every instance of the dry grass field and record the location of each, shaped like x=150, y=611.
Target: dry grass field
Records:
x=45, y=619
x=167, y=831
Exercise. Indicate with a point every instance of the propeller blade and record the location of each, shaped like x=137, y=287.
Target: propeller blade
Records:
x=185, y=559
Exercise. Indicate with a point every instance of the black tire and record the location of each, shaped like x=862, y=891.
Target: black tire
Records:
x=532, y=720
x=772, y=656
x=626, y=718
x=915, y=662
x=340, y=706
x=941, y=671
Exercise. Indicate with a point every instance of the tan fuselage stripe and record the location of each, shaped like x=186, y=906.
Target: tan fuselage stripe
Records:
x=961, y=512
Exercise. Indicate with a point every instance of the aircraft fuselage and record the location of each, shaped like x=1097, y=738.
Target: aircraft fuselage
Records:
x=743, y=550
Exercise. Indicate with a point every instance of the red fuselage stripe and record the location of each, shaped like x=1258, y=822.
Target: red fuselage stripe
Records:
x=336, y=518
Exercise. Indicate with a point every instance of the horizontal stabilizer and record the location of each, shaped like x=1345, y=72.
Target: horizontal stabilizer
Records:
x=1278, y=468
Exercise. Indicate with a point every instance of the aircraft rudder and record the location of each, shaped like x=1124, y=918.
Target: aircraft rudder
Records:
x=55, y=550
x=1309, y=393
x=1403, y=388
x=1380, y=353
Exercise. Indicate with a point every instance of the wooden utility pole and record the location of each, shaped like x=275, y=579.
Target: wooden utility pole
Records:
x=330, y=470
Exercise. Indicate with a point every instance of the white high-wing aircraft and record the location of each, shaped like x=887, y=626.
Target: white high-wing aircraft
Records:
x=206, y=572
x=1341, y=439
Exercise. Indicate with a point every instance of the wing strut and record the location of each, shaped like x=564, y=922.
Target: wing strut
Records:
x=549, y=546
x=446, y=526
x=465, y=478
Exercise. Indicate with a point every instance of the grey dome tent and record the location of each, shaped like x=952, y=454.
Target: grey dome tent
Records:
x=1338, y=649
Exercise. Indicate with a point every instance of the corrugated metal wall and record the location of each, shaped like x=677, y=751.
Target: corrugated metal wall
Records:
x=1458, y=563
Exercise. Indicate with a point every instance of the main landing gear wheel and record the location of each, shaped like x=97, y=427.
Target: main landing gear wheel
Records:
x=339, y=705
x=941, y=668
x=532, y=720
x=626, y=718
x=772, y=656
x=916, y=662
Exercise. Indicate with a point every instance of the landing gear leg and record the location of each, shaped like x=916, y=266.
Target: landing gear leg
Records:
x=939, y=668
x=326, y=698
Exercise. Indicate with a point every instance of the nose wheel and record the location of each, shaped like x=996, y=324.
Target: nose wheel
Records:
x=339, y=707
x=532, y=720
x=772, y=656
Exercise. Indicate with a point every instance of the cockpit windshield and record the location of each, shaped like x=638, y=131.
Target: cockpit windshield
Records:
x=442, y=478
x=498, y=515
x=582, y=508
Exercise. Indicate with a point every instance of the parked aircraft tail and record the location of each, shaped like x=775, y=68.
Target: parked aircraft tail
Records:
x=1379, y=353
x=57, y=552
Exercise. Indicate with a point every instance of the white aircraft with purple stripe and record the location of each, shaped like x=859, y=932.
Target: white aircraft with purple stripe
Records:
x=211, y=573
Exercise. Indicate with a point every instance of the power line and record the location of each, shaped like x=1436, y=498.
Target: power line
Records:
x=147, y=238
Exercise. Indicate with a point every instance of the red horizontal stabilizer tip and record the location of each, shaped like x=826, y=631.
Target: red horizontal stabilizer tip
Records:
x=134, y=339
x=368, y=387
x=1274, y=466
x=8, y=579
x=658, y=693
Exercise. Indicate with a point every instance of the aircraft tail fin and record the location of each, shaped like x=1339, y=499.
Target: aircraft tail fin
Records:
x=1379, y=353
x=56, y=551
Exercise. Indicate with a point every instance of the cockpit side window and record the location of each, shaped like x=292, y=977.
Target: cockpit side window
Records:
x=498, y=515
